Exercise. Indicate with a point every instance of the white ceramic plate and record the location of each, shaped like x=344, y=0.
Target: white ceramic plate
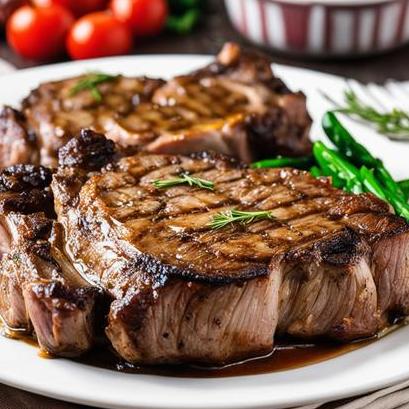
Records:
x=376, y=365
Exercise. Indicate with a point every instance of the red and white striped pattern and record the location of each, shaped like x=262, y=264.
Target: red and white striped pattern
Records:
x=323, y=27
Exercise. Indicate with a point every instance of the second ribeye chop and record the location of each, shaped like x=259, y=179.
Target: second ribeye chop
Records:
x=326, y=264
x=235, y=106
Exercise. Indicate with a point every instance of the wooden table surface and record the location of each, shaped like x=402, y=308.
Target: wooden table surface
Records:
x=213, y=31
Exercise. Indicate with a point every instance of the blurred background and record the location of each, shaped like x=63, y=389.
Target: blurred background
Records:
x=361, y=39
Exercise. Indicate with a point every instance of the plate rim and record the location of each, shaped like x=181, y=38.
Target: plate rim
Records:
x=262, y=403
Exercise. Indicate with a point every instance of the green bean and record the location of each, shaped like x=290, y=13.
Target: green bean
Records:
x=387, y=180
x=346, y=175
x=357, y=153
x=371, y=184
x=303, y=162
x=404, y=186
x=315, y=171
x=325, y=168
x=346, y=144
x=400, y=205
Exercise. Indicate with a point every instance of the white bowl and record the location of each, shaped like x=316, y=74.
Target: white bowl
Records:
x=323, y=27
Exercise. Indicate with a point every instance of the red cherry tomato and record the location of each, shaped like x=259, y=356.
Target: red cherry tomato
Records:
x=98, y=35
x=78, y=7
x=144, y=17
x=39, y=33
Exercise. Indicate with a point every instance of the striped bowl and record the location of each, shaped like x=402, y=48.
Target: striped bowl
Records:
x=323, y=28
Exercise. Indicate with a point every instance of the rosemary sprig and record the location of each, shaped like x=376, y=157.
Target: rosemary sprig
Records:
x=183, y=179
x=91, y=82
x=227, y=217
x=394, y=123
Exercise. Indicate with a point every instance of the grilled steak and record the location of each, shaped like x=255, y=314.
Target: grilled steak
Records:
x=55, y=115
x=327, y=264
x=234, y=106
x=40, y=290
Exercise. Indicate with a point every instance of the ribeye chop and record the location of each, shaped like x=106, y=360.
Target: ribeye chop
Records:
x=40, y=291
x=329, y=263
x=234, y=106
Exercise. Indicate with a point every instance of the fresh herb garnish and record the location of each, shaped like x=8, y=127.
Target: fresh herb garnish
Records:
x=394, y=123
x=91, y=82
x=183, y=179
x=227, y=217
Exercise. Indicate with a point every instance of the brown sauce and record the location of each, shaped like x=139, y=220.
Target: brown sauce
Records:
x=286, y=355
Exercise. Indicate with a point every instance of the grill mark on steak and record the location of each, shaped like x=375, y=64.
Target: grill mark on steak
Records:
x=219, y=295
x=239, y=108
x=55, y=115
x=161, y=212
x=309, y=215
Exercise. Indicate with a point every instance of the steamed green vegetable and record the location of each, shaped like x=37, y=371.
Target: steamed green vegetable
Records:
x=344, y=174
x=304, y=162
x=357, y=153
x=404, y=186
x=315, y=171
x=346, y=144
x=371, y=184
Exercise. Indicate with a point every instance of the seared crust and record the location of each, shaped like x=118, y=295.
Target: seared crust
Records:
x=19, y=178
x=340, y=249
x=40, y=290
x=24, y=189
x=89, y=151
